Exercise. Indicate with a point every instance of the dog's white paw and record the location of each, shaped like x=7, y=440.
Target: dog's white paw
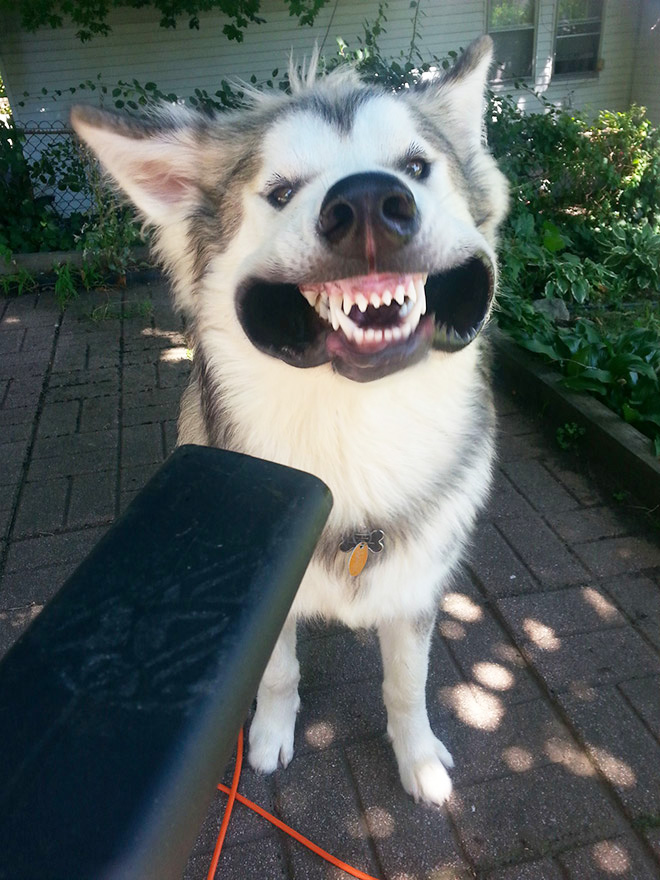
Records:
x=423, y=773
x=271, y=736
x=427, y=781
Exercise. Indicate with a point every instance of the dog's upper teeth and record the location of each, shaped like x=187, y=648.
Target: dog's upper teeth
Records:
x=400, y=294
x=375, y=300
x=347, y=304
x=362, y=302
x=386, y=298
x=421, y=292
x=311, y=296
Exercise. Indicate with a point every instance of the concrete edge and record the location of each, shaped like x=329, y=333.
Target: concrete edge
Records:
x=42, y=263
x=612, y=444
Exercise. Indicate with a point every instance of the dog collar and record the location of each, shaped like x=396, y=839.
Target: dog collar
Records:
x=359, y=545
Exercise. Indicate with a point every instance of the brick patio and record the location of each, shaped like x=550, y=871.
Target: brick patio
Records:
x=545, y=671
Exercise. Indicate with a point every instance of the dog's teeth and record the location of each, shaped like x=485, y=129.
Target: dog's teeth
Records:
x=412, y=291
x=397, y=335
x=378, y=336
x=375, y=300
x=386, y=298
x=335, y=309
x=358, y=334
x=362, y=302
x=400, y=294
x=347, y=305
x=387, y=334
x=369, y=335
x=311, y=296
x=323, y=311
x=406, y=330
x=406, y=309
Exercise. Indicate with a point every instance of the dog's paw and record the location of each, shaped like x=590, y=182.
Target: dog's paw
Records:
x=427, y=781
x=423, y=775
x=271, y=737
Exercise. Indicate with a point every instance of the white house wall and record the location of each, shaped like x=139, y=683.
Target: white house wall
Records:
x=646, y=81
x=181, y=60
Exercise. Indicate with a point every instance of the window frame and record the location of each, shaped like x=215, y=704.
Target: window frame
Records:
x=578, y=74
x=534, y=27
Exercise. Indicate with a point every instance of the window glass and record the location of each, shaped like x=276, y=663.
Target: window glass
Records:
x=511, y=25
x=578, y=35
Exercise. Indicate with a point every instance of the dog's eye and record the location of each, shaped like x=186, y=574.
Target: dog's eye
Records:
x=281, y=195
x=418, y=169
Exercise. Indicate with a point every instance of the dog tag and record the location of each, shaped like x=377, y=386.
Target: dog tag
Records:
x=358, y=559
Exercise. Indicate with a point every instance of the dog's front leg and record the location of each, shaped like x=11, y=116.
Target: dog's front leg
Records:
x=420, y=755
x=271, y=732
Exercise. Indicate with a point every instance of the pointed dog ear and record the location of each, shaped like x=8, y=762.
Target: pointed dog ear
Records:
x=458, y=97
x=155, y=163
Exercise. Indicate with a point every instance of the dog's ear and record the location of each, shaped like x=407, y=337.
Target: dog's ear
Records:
x=155, y=162
x=458, y=96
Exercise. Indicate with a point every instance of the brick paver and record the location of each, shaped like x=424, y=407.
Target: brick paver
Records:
x=545, y=670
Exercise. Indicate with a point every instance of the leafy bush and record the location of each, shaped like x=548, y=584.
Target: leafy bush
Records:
x=584, y=228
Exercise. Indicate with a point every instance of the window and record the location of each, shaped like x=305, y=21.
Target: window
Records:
x=578, y=35
x=511, y=24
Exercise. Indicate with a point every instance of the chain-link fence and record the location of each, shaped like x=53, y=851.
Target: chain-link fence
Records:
x=58, y=167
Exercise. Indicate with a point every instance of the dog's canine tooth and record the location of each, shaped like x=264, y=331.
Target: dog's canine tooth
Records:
x=375, y=300
x=335, y=309
x=362, y=302
x=311, y=296
x=421, y=291
x=386, y=298
x=400, y=294
x=347, y=305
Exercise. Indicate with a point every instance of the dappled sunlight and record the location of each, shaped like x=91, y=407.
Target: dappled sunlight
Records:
x=380, y=822
x=493, y=676
x=461, y=607
x=518, y=759
x=11, y=319
x=617, y=771
x=174, y=336
x=474, y=706
x=569, y=756
x=542, y=635
x=320, y=735
x=170, y=355
x=611, y=857
x=451, y=629
x=602, y=606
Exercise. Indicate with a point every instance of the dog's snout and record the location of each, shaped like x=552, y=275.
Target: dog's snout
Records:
x=366, y=210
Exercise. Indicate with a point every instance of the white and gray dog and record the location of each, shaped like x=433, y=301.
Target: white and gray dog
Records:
x=332, y=251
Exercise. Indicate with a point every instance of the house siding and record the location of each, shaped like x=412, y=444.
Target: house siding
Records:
x=181, y=60
x=646, y=81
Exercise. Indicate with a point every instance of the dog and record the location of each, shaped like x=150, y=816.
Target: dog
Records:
x=333, y=253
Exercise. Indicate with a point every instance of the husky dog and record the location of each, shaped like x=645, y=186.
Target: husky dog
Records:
x=332, y=251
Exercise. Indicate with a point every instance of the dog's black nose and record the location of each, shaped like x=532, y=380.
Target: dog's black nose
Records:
x=366, y=214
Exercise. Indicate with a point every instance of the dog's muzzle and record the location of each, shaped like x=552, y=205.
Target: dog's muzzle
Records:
x=384, y=307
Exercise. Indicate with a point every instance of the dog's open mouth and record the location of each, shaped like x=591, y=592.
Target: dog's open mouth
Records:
x=371, y=325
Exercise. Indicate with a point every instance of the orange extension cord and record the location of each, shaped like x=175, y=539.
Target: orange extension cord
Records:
x=234, y=796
